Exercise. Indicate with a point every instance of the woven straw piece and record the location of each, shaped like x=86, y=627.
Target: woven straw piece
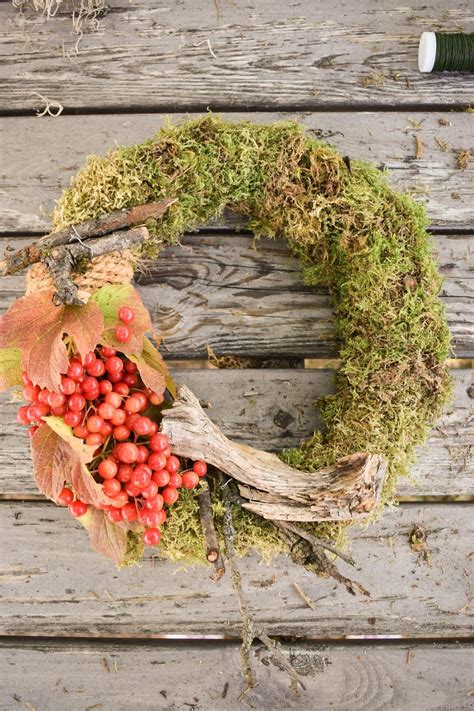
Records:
x=111, y=268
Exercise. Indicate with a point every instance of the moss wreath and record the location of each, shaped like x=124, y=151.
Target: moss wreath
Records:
x=352, y=233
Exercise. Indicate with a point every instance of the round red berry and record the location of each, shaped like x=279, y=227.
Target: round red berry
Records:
x=94, y=439
x=68, y=386
x=22, y=416
x=107, y=468
x=32, y=431
x=76, y=402
x=141, y=476
x=121, y=433
x=107, y=352
x=141, y=426
x=172, y=464
x=106, y=411
x=133, y=404
x=119, y=418
x=127, y=452
x=81, y=431
x=56, y=399
x=77, y=508
x=126, y=314
x=157, y=461
x=143, y=454
x=124, y=473
x=159, y=442
x=129, y=512
x=112, y=487
x=94, y=423
x=131, y=489
x=170, y=495
x=120, y=499
x=121, y=388
x=200, y=468
x=190, y=480
x=96, y=368
x=114, y=365
x=151, y=537
x=130, y=367
x=75, y=370
x=161, y=477
x=113, y=398
x=65, y=497
x=73, y=418
x=105, y=387
x=114, y=515
x=123, y=334
x=150, y=490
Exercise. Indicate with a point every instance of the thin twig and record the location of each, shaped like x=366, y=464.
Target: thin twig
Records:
x=303, y=596
x=213, y=552
x=61, y=260
x=250, y=630
x=314, y=540
x=117, y=220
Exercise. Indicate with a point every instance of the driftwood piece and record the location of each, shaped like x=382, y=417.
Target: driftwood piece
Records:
x=213, y=552
x=74, y=235
x=346, y=491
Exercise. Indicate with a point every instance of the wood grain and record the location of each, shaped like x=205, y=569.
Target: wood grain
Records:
x=223, y=291
x=53, y=584
x=370, y=677
x=309, y=55
x=272, y=409
x=33, y=178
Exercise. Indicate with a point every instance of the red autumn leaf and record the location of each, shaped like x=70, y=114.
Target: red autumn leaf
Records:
x=36, y=326
x=110, y=298
x=153, y=370
x=75, y=469
x=51, y=457
x=106, y=537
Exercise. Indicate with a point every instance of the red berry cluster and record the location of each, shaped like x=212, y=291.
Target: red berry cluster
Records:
x=105, y=402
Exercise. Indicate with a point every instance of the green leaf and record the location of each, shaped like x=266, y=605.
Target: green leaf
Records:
x=35, y=326
x=10, y=368
x=110, y=298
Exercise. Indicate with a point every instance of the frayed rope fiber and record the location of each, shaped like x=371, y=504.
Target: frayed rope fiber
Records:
x=352, y=233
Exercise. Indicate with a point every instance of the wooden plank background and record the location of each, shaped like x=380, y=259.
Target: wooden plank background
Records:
x=176, y=56
x=348, y=73
x=74, y=675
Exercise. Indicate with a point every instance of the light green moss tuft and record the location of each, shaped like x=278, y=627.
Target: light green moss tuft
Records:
x=352, y=232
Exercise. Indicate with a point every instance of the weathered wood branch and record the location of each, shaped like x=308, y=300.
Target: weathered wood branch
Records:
x=60, y=261
x=346, y=491
x=117, y=220
x=213, y=552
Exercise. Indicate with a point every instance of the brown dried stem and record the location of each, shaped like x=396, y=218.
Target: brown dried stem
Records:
x=117, y=220
x=250, y=629
x=213, y=552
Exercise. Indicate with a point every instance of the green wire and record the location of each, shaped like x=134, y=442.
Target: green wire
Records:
x=454, y=52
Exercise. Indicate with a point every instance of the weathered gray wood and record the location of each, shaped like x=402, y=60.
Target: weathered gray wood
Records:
x=33, y=179
x=272, y=409
x=168, y=675
x=225, y=54
x=223, y=291
x=53, y=584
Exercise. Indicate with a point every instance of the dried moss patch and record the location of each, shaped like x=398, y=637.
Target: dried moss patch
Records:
x=352, y=232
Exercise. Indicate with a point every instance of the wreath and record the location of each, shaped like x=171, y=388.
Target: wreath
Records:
x=126, y=450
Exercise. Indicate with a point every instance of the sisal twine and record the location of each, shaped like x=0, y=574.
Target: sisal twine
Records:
x=111, y=268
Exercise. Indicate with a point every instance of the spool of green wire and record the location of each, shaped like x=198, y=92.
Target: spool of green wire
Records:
x=443, y=52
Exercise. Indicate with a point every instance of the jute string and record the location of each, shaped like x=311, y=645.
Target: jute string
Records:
x=111, y=268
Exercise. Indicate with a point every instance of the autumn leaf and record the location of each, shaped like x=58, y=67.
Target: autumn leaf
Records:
x=10, y=368
x=105, y=536
x=110, y=298
x=51, y=459
x=35, y=326
x=153, y=370
x=76, y=471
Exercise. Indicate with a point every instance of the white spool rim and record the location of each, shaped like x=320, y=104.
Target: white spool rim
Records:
x=427, y=52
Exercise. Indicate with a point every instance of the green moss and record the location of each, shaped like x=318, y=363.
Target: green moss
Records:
x=352, y=233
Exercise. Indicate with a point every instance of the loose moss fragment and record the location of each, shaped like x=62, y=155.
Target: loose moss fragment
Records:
x=367, y=243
